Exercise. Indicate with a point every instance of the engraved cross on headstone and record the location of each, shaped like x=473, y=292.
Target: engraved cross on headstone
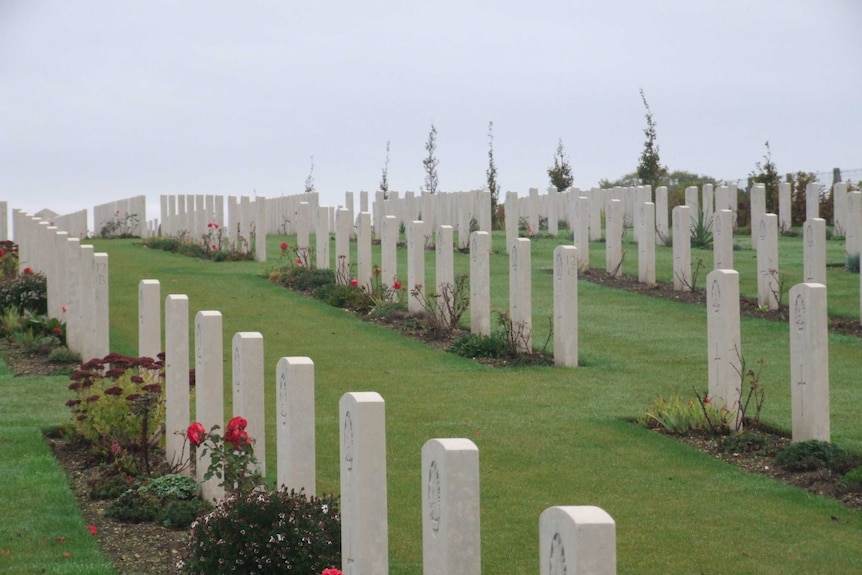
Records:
x=801, y=383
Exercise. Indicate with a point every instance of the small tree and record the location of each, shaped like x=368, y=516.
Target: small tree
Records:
x=491, y=172
x=309, y=181
x=384, y=179
x=561, y=172
x=650, y=170
x=430, y=162
x=799, y=197
x=767, y=175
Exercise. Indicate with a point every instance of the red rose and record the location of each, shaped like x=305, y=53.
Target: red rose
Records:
x=396, y=284
x=2, y=253
x=283, y=246
x=28, y=271
x=298, y=261
x=235, y=433
x=196, y=433
x=331, y=571
x=354, y=282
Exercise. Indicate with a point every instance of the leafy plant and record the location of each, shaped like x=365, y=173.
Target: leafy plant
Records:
x=701, y=231
x=814, y=454
x=491, y=179
x=650, y=170
x=119, y=405
x=675, y=415
x=232, y=457
x=266, y=532
x=446, y=306
x=767, y=174
x=27, y=290
x=430, y=162
x=561, y=172
x=724, y=420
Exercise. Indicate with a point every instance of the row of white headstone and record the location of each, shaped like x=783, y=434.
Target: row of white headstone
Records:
x=77, y=281
x=575, y=539
x=809, y=353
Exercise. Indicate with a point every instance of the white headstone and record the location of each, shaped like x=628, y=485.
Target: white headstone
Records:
x=445, y=276
x=101, y=319
x=758, y=208
x=363, y=251
x=784, y=214
x=209, y=391
x=451, y=541
x=415, y=265
x=646, y=244
x=767, y=261
x=839, y=207
x=722, y=240
x=295, y=435
x=614, y=238
x=342, y=246
x=248, y=389
x=149, y=319
x=661, y=228
x=480, y=283
x=321, y=238
x=809, y=362
x=814, y=251
x=723, y=337
x=177, y=381
x=520, y=294
x=87, y=278
x=682, y=280
x=577, y=540
x=364, y=513
x=388, y=250
x=566, y=306
x=512, y=217
x=812, y=201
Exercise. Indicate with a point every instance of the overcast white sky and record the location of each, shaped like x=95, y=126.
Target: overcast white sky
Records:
x=106, y=100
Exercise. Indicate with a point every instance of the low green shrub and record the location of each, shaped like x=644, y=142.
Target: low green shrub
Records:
x=814, y=454
x=303, y=279
x=852, y=480
x=478, y=345
x=168, y=499
x=853, y=263
x=266, y=532
x=701, y=231
x=746, y=442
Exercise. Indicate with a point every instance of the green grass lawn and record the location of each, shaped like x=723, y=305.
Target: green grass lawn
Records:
x=546, y=436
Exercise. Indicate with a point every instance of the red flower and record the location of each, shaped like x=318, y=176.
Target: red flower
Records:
x=235, y=433
x=65, y=309
x=331, y=571
x=28, y=271
x=114, y=391
x=376, y=271
x=299, y=261
x=210, y=224
x=283, y=246
x=196, y=433
x=2, y=253
x=707, y=400
x=396, y=284
x=57, y=331
x=93, y=529
x=354, y=282
x=214, y=246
